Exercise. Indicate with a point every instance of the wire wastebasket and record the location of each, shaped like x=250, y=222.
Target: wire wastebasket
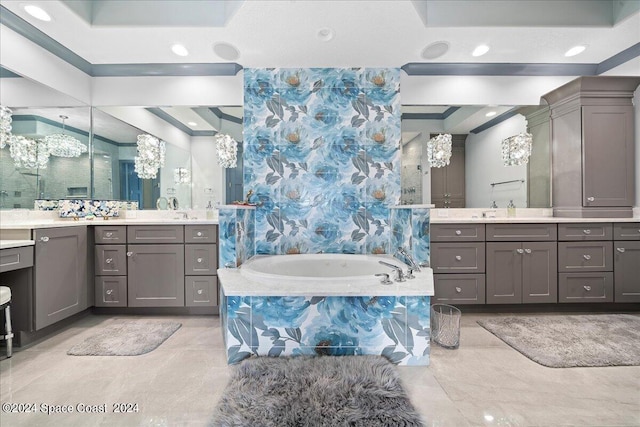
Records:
x=445, y=325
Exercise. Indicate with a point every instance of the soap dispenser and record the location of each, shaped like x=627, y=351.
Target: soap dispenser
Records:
x=209, y=210
x=511, y=209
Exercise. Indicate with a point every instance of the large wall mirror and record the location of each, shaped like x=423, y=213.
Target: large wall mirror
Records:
x=476, y=176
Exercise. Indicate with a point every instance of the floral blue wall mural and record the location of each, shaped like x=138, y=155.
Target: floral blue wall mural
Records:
x=322, y=156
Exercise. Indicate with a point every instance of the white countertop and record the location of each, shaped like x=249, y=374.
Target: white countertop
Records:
x=9, y=244
x=527, y=220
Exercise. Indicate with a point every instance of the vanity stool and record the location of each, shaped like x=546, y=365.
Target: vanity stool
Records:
x=5, y=303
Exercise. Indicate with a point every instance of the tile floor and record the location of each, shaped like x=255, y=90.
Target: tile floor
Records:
x=483, y=383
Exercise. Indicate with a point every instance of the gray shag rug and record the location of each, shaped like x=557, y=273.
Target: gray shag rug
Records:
x=315, y=391
x=567, y=341
x=126, y=338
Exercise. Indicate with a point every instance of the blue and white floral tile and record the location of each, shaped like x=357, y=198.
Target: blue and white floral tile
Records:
x=401, y=228
x=45, y=205
x=420, y=229
x=227, y=237
x=72, y=208
x=103, y=208
x=384, y=78
x=247, y=219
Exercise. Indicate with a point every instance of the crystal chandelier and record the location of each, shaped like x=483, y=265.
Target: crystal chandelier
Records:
x=150, y=156
x=517, y=149
x=227, y=150
x=29, y=153
x=439, y=150
x=5, y=126
x=63, y=145
x=181, y=176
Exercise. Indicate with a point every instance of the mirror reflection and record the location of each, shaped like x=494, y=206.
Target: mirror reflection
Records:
x=476, y=176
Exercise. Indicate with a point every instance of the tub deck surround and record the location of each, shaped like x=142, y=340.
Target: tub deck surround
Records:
x=326, y=315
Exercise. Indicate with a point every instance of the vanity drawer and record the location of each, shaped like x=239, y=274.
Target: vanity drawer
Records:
x=459, y=288
x=111, y=260
x=155, y=234
x=16, y=258
x=626, y=231
x=590, y=231
x=585, y=256
x=457, y=257
x=110, y=234
x=457, y=232
x=200, y=259
x=521, y=232
x=201, y=291
x=585, y=287
x=111, y=291
x=200, y=234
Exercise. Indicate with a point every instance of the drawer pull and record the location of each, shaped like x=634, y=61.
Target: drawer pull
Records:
x=587, y=288
x=587, y=257
x=520, y=251
x=458, y=258
x=44, y=239
x=199, y=291
x=109, y=291
x=528, y=251
x=108, y=260
x=199, y=260
x=458, y=289
x=621, y=250
x=199, y=234
x=587, y=231
x=458, y=232
x=591, y=199
x=129, y=253
x=108, y=234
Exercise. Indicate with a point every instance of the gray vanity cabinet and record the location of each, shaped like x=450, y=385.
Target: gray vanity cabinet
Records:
x=626, y=262
x=201, y=265
x=110, y=266
x=155, y=275
x=60, y=273
x=522, y=271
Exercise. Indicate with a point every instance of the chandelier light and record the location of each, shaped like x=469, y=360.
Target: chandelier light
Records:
x=150, y=158
x=227, y=150
x=439, y=150
x=181, y=176
x=5, y=126
x=29, y=153
x=517, y=149
x=62, y=145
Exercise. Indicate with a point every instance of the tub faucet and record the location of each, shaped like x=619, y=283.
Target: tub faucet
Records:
x=408, y=259
x=398, y=270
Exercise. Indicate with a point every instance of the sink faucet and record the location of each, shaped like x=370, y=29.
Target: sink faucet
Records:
x=185, y=215
x=408, y=259
x=398, y=270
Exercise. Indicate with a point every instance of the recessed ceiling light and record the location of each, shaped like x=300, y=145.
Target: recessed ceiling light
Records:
x=491, y=114
x=179, y=50
x=192, y=123
x=576, y=50
x=325, y=34
x=435, y=50
x=480, y=50
x=226, y=51
x=37, y=12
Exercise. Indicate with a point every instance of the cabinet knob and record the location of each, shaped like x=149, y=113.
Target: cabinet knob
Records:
x=621, y=250
x=109, y=291
x=199, y=291
x=587, y=231
x=458, y=232
x=108, y=234
x=527, y=251
x=587, y=257
x=44, y=239
x=199, y=234
x=458, y=289
x=520, y=251
x=591, y=199
x=108, y=260
x=199, y=260
x=458, y=258
x=587, y=288
x=129, y=253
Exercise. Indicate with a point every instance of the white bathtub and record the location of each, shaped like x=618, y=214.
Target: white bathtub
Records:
x=321, y=274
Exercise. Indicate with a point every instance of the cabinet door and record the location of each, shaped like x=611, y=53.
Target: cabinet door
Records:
x=60, y=274
x=540, y=272
x=156, y=275
x=585, y=256
x=201, y=259
x=504, y=273
x=438, y=186
x=111, y=260
x=626, y=270
x=459, y=288
x=455, y=176
x=111, y=291
x=201, y=291
x=585, y=287
x=457, y=257
x=608, y=147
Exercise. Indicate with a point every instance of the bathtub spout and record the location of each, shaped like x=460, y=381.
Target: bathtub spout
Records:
x=398, y=270
x=408, y=259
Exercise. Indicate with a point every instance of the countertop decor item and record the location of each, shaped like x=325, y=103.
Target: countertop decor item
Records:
x=316, y=391
x=566, y=341
x=63, y=145
x=439, y=150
